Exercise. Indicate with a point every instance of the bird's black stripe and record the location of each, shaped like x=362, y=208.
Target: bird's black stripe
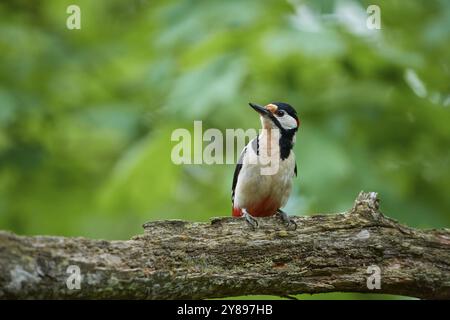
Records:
x=255, y=145
x=286, y=138
x=286, y=143
x=237, y=170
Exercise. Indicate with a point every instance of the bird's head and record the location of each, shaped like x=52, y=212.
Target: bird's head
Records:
x=277, y=115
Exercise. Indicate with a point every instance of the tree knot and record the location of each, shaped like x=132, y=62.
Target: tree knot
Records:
x=367, y=204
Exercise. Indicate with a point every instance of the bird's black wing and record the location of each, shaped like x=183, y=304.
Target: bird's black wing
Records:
x=295, y=169
x=236, y=173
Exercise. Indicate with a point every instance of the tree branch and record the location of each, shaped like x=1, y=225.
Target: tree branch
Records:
x=179, y=259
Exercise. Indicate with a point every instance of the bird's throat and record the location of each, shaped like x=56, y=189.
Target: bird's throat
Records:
x=269, y=142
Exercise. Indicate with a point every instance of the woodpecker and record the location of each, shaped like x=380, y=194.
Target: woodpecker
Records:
x=255, y=194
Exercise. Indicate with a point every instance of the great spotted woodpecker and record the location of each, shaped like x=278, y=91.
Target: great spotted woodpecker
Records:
x=255, y=194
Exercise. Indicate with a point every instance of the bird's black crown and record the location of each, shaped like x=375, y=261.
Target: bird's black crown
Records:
x=286, y=107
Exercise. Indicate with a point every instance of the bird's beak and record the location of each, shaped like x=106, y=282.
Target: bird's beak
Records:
x=261, y=110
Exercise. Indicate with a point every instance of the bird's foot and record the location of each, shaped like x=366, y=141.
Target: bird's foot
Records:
x=249, y=219
x=287, y=220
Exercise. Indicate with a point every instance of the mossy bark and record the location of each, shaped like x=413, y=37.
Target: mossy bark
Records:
x=178, y=259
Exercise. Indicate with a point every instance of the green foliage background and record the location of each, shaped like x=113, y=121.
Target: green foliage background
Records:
x=86, y=115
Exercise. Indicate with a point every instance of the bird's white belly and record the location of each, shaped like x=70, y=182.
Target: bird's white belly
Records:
x=253, y=187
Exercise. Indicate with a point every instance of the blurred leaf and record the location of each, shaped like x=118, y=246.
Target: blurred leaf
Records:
x=143, y=178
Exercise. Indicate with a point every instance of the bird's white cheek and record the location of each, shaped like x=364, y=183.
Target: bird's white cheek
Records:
x=288, y=122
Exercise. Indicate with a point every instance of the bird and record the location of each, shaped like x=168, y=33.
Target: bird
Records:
x=255, y=194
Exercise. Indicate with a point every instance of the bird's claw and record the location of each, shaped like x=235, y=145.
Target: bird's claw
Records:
x=250, y=220
x=287, y=220
x=291, y=224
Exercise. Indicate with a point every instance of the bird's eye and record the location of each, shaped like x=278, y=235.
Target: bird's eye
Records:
x=280, y=113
